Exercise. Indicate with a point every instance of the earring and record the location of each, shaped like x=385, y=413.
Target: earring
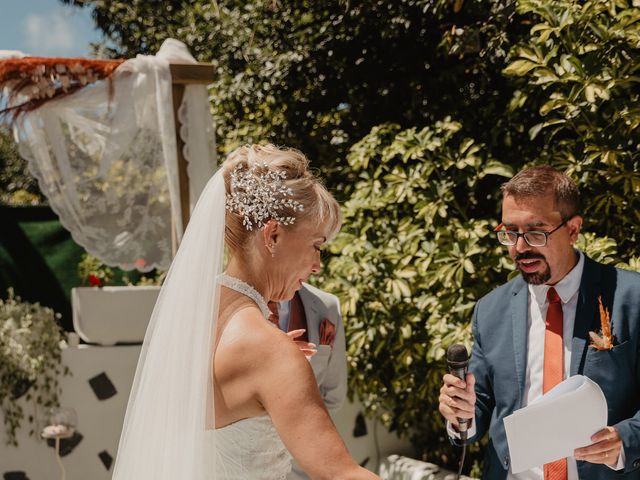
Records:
x=271, y=249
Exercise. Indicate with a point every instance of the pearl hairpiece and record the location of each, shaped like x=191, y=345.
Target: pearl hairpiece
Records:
x=258, y=194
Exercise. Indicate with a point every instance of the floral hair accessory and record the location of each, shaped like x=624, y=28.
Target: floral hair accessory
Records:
x=260, y=194
x=605, y=340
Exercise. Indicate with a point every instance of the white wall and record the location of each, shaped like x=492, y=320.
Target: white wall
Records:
x=100, y=421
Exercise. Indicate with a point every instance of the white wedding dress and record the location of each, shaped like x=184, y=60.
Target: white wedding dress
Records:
x=251, y=449
x=163, y=436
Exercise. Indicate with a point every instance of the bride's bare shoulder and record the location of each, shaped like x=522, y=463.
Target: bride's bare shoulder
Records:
x=245, y=335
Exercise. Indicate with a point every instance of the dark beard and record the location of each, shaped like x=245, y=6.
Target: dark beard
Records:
x=537, y=278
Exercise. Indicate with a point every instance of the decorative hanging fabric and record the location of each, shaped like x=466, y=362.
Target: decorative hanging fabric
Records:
x=100, y=138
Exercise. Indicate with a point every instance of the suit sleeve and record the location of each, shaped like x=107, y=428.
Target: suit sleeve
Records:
x=629, y=431
x=627, y=294
x=485, y=401
x=334, y=385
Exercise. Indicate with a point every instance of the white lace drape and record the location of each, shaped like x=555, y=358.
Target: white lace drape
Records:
x=105, y=158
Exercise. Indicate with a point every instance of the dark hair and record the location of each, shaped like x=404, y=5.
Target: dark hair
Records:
x=545, y=180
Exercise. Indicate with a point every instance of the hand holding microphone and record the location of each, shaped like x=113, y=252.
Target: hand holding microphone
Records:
x=457, y=395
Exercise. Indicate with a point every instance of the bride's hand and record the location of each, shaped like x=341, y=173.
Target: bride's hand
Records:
x=309, y=349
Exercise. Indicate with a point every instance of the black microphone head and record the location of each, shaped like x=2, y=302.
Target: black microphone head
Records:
x=457, y=353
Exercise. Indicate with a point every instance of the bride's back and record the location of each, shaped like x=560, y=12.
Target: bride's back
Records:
x=248, y=445
x=242, y=335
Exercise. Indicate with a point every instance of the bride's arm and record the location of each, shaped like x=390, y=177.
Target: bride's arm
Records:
x=287, y=389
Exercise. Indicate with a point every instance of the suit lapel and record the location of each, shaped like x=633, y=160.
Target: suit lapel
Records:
x=585, y=314
x=519, y=316
x=519, y=323
x=312, y=312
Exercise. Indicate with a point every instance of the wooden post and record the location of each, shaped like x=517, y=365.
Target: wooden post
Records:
x=184, y=74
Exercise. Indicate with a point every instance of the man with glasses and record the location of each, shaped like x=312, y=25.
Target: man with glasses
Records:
x=533, y=332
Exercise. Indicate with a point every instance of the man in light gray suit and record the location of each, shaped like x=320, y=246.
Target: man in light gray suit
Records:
x=318, y=313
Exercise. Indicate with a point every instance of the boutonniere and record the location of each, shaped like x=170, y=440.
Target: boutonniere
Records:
x=327, y=332
x=604, y=341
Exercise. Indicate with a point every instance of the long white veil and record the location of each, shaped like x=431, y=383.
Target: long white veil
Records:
x=168, y=429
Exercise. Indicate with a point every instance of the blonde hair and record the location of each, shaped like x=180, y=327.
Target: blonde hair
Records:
x=318, y=204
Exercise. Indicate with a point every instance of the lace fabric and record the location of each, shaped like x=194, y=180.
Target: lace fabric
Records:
x=105, y=158
x=197, y=132
x=251, y=449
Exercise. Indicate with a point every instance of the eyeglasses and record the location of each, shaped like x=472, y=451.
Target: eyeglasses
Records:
x=533, y=238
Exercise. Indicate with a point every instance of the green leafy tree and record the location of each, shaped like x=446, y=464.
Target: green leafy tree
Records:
x=414, y=258
x=578, y=83
x=320, y=75
x=419, y=109
x=416, y=252
x=17, y=186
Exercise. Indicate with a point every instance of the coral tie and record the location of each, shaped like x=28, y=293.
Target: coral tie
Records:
x=274, y=317
x=553, y=369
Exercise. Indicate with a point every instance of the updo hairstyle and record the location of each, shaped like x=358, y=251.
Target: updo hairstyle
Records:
x=319, y=206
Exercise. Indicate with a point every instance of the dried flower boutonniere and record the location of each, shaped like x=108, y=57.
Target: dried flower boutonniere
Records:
x=605, y=340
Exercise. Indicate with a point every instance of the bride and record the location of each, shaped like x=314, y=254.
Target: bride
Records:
x=220, y=392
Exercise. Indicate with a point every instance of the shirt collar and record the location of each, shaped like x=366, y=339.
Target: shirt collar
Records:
x=566, y=288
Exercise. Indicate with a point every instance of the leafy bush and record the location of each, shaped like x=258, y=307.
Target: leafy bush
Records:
x=414, y=258
x=531, y=81
x=17, y=186
x=416, y=252
x=95, y=273
x=30, y=360
x=319, y=75
x=576, y=74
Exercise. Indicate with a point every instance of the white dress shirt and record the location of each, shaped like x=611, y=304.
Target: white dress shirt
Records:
x=567, y=289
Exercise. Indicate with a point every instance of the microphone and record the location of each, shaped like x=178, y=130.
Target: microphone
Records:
x=458, y=361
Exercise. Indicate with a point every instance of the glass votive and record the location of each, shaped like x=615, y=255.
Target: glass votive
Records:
x=61, y=423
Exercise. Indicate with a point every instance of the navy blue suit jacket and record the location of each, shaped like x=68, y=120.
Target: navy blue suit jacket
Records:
x=500, y=354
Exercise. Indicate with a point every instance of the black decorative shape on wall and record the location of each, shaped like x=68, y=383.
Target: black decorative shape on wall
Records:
x=66, y=444
x=364, y=462
x=360, y=428
x=107, y=459
x=15, y=476
x=102, y=386
x=21, y=388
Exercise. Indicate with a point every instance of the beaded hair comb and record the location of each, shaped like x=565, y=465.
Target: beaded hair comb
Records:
x=260, y=194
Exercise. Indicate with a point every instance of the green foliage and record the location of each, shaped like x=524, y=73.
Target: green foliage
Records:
x=319, y=75
x=416, y=252
x=94, y=272
x=413, y=260
x=30, y=360
x=526, y=82
x=17, y=186
x=577, y=79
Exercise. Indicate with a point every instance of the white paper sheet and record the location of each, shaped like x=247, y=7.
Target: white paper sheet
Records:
x=557, y=423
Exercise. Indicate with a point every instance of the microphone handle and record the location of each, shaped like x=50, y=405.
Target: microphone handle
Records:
x=461, y=373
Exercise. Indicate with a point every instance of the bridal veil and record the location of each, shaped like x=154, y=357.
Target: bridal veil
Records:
x=168, y=429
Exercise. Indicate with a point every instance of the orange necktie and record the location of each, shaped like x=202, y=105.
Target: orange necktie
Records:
x=552, y=373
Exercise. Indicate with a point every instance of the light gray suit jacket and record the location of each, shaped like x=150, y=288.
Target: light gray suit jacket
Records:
x=330, y=363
